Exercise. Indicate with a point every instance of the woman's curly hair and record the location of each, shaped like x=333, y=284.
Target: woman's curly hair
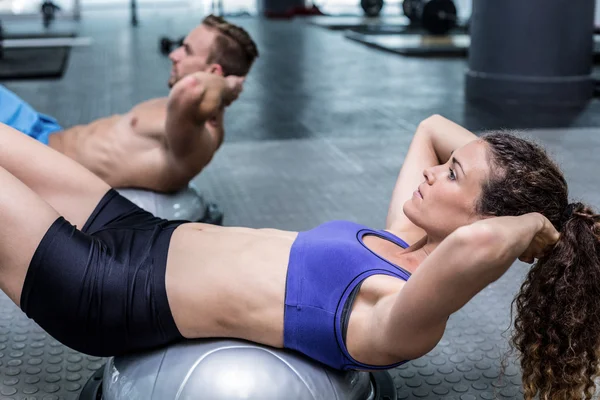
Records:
x=557, y=324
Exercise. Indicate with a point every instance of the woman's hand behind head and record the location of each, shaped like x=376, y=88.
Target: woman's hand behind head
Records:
x=543, y=241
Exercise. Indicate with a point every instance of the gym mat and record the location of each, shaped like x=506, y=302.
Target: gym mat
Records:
x=34, y=63
x=408, y=43
x=348, y=22
x=399, y=30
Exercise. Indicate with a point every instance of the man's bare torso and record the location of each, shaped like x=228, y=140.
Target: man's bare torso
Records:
x=128, y=150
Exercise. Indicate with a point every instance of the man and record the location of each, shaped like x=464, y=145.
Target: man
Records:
x=163, y=143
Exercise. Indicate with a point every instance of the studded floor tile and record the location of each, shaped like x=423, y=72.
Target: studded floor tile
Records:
x=34, y=366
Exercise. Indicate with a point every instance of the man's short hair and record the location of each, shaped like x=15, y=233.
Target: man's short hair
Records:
x=233, y=49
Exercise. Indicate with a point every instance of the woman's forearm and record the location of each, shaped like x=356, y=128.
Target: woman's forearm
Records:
x=476, y=256
x=511, y=237
x=445, y=136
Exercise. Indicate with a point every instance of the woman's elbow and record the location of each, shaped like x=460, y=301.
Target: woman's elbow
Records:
x=430, y=122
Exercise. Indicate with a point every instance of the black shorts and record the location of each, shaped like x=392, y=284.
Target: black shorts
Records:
x=101, y=290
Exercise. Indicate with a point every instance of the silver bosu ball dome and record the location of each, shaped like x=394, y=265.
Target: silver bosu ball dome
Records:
x=230, y=370
x=186, y=204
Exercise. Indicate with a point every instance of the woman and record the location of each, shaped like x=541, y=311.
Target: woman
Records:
x=463, y=210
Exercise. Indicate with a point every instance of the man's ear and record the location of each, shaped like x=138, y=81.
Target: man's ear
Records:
x=216, y=69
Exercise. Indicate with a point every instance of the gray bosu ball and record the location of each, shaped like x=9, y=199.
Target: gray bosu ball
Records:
x=230, y=370
x=187, y=204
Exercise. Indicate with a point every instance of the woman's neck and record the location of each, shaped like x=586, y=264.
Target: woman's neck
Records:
x=411, y=257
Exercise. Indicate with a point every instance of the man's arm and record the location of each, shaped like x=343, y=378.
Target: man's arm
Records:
x=216, y=128
x=194, y=123
x=194, y=101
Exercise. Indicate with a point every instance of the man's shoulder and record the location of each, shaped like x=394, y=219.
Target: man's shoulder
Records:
x=157, y=102
x=149, y=113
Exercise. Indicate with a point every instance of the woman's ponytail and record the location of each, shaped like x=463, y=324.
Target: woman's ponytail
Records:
x=557, y=328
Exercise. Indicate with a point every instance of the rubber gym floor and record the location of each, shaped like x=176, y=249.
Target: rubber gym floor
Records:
x=319, y=133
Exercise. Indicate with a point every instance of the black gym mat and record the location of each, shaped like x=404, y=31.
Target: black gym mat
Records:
x=349, y=22
x=415, y=44
x=409, y=43
x=34, y=63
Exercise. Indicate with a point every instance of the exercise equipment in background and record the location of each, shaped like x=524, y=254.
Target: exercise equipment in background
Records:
x=415, y=44
x=437, y=17
x=36, y=55
x=432, y=17
x=434, y=30
x=38, y=42
x=48, y=12
x=372, y=8
x=412, y=9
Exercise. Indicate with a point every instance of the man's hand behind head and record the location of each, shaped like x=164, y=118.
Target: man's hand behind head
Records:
x=235, y=86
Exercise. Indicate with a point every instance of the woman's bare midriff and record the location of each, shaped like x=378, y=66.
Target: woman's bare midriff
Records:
x=228, y=282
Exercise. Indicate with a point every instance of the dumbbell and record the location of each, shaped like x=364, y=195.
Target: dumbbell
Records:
x=435, y=16
x=412, y=10
x=372, y=8
x=167, y=44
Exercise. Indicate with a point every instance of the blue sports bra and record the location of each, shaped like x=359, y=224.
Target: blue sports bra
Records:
x=326, y=266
